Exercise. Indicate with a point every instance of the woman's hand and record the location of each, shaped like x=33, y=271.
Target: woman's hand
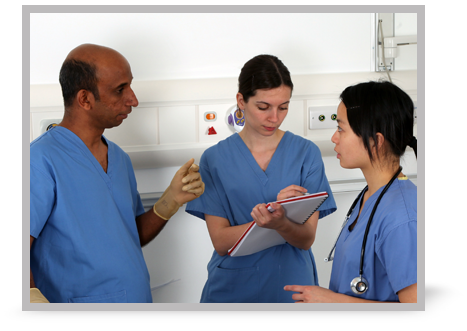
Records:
x=291, y=191
x=318, y=294
x=314, y=294
x=265, y=219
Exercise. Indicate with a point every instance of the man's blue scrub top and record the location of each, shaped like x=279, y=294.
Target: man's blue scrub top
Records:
x=87, y=246
x=234, y=185
x=390, y=262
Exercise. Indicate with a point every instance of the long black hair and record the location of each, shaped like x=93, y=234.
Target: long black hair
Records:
x=382, y=107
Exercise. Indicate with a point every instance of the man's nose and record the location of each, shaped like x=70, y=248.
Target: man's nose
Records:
x=133, y=100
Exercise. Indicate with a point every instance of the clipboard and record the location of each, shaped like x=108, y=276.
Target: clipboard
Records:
x=297, y=209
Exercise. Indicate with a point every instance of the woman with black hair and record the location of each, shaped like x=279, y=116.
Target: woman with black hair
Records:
x=243, y=172
x=376, y=252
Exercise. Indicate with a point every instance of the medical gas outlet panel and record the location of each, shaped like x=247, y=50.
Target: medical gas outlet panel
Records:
x=325, y=117
x=322, y=117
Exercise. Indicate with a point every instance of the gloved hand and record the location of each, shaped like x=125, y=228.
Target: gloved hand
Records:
x=177, y=193
x=35, y=296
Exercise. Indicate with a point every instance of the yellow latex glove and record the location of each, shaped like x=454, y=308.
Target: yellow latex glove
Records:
x=35, y=296
x=177, y=193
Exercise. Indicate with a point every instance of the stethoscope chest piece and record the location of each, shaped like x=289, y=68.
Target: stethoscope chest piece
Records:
x=359, y=285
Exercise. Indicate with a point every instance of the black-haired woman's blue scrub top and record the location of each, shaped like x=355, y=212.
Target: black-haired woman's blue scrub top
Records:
x=390, y=262
x=235, y=184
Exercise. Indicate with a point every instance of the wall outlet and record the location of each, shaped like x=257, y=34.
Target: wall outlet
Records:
x=323, y=117
x=44, y=124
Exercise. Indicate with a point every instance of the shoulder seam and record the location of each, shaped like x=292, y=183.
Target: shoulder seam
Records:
x=380, y=244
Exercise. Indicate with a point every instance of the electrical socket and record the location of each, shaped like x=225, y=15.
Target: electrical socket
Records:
x=322, y=117
x=44, y=124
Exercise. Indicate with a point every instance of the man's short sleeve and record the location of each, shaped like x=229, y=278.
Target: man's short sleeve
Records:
x=42, y=199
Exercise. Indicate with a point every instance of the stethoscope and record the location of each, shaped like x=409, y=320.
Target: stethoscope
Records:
x=359, y=285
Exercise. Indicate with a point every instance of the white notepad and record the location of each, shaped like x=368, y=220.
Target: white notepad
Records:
x=297, y=209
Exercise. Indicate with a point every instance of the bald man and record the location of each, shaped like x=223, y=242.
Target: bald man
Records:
x=87, y=222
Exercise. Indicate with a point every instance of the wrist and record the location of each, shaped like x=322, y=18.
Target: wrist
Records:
x=160, y=216
x=165, y=208
x=284, y=225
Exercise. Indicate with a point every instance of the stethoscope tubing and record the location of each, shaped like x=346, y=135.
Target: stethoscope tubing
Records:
x=370, y=220
x=346, y=219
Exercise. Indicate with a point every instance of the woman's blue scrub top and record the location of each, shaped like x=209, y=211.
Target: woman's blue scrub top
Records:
x=234, y=185
x=390, y=262
x=87, y=246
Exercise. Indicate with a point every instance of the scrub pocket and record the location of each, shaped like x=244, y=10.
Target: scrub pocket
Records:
x=117, y=297
x=234, y=285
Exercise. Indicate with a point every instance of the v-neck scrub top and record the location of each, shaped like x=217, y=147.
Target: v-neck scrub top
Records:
x=390, y=262
x=86, y=246
x=235, y=184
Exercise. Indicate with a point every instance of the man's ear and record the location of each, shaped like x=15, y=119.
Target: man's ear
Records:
x=85, y=99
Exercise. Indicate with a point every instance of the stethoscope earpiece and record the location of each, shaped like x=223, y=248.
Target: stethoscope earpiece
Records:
x=359, y=285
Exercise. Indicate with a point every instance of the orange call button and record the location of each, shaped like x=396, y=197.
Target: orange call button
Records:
x=210, y=116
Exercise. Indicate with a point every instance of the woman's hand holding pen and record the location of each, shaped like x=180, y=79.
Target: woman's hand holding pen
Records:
x=290, y=192
x=276, y=220
x=299, y=235
x=265, y=219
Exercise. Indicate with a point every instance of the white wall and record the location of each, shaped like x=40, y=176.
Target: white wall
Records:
x=191, y=61
x=184, y=46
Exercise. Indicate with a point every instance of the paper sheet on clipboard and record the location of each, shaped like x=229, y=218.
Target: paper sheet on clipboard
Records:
x=297, y=209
